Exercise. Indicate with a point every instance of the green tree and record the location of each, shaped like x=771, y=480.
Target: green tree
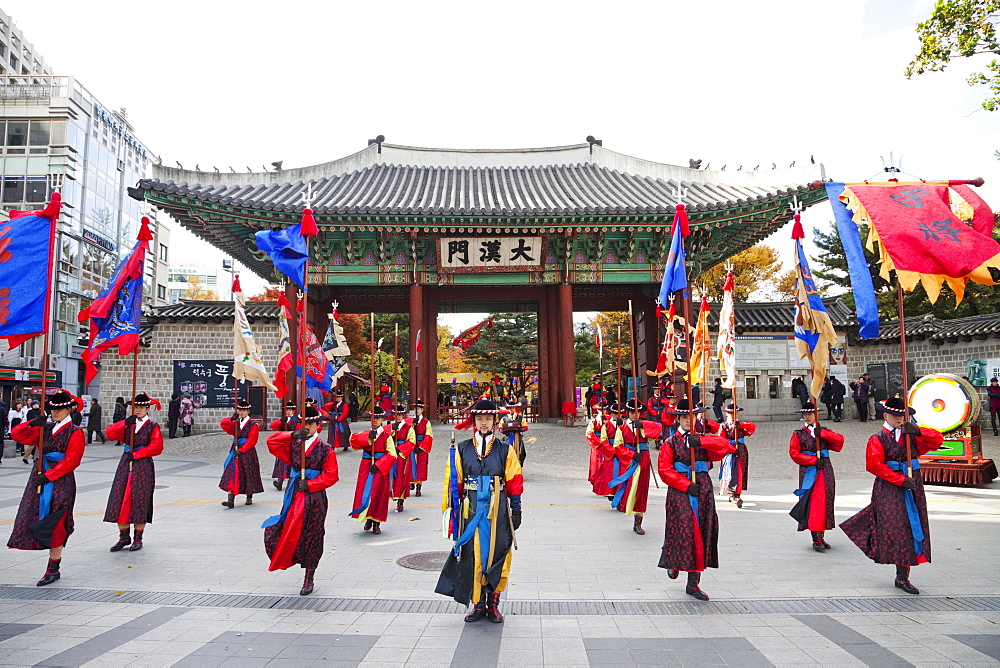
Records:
x=509, y=349
x=586, y=353
x=831, y=266
x=961, y=29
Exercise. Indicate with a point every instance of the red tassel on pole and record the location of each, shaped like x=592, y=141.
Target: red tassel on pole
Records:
x=681, y=218
x=797, y=231
x=309, y=228
x=236, y=284
x=144, y=232
x=659, y=310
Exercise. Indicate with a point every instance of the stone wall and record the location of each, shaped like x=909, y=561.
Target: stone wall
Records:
x=928, y=357
x=183, y=341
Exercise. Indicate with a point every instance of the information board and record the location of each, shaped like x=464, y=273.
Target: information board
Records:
x=210, y=382
x=761, y=352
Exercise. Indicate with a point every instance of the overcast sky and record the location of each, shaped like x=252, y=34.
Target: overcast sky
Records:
x=736, y=83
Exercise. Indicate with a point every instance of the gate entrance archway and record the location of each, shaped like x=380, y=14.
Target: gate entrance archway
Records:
x=414, y=230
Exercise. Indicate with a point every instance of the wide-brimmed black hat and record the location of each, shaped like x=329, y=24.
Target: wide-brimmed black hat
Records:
x=290, y=404
x=732, y=408
x=681, y=408
x=400, y=409
x=603, y=405
x=419, y=403
x=143, y=399
x=809, y=407
x=377, y=412
x=894, y=406
x=338, y=393
x=484, y=407
x=310, y=401
x=63, y=399
x=313, y=415
x=243, y=404
x=634, y=405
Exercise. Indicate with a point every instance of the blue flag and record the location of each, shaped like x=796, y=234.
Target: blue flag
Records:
x=861, y=279
x=675, y=273
x=25, y=269
x=287, y=249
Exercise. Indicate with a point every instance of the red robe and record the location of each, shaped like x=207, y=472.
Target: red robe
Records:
x=741, y=460
x=298, y=538
x=824, y=490
x=602, y=454
x=401, y=475
x=422, y=452
x=339, y=433
x=627, y=443
x=384, y=452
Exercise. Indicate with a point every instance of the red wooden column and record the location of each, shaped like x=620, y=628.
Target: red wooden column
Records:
x=428, y=384
x=419, y=362
x=567, y=358
x=544, y=356
x=552, y=333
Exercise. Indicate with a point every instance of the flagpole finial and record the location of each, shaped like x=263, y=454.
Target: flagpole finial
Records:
x=679, y=192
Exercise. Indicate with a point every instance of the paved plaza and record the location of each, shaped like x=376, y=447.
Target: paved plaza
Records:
x=585, y=590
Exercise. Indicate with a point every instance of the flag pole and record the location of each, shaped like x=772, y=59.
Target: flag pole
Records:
x=47, y=325
x=907, y=438
x=373, y=370
x=620, y=402
x=631, y=339
x=395, y=366
x=135, y=373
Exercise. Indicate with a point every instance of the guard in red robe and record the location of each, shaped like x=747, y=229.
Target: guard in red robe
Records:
x=287, y=422
x=131, y=498
x=893, y=528
x=378, y=456
x=385, y=397
x=241, y=472
x=691, y=536
x=602, y=453
x=339, y=435
x=735, y=469
x=424, y=434
x=401, y=475
x=631, y=444
x=44, y=518
x=295, y=535
x=817, y=483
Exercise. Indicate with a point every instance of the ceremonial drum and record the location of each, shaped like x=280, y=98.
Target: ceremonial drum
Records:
x=945, y=402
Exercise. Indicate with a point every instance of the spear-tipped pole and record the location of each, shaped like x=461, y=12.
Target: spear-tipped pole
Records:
x=395, y=366
x=631, y=339
x=907, y=438
x=372, y=327
x=308, y=229
x=619, y=392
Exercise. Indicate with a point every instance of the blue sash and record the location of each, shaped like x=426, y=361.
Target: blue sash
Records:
x=232, y=452
x=911, y=505
x=479, y=521
x=685, y=468
x=45, y=499
x=289, y=494
x=619, y=480
x=809, y=479
x=453, y=492
x=128, y=448
x=366, y=494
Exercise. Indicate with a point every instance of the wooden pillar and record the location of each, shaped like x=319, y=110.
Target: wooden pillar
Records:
x=552, y=332
x=428, y=385
x=567, y=357
x=544, y=356
x=418, y=360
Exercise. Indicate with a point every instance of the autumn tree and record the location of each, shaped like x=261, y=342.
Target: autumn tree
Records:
x=961, y=29
x=196, y=291
x=758, y=269
x=509, y=349
x=270, y=294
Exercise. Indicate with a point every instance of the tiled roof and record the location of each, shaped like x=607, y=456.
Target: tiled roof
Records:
x=208, y=311
x=779, y=316
x=565, y=190
x=939, y=331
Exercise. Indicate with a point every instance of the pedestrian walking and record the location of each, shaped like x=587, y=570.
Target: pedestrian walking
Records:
x=295, y=535
x=378, y=456
x=4, y=409
x=95, y=422
x=800, y=391
x=186, y=419
x=893, y=528
x=859, y=392
x=287, y=422
x=483, y=503
x=735, y=470
x=817, y=483
x=241, y=472
x=718, y=399
x=826, y=397
x=838, y=391
x=691, y=528
x=993, y=393
x=173, y=415
x=44, y=518
x=130, y=503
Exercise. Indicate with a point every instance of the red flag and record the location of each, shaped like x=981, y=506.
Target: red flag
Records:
x=420, y=344
x=931, y=233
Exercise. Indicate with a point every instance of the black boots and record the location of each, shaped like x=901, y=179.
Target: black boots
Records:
x=376, y=529
x=478, y=612
x=51, y=573
x=493, y=608
x=692, y=588
x=249, y=499
x=417, y=492
x=819, y=544
x=368, y=524
x=399, y=505
x=137, y=543
x=124, y=538
x=637, y=526
x=230, y=502
x=277, y=484
x=903, y=580
x=307, y=583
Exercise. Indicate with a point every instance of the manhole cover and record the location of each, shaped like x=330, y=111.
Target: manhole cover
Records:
x=423, y=561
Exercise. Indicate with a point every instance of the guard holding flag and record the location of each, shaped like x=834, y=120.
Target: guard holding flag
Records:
x=241, y=472
x=482, y=502
x=817, y=484
x=631, y=444
x=287, y=422
x=44, y=518
x=424, y=434
x=131, y=498
x=691, y=535
x=295, y=535
x=893, y=528
x=736, y=468
x=378, y=455
x=405, y=440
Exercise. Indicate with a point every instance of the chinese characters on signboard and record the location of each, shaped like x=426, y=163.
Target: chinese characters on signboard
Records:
x=209, y=382
x=490, y=253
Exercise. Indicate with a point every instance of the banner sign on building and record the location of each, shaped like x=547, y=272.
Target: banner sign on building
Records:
x=980, y=371
x=762, y=352
x=490, y=254
x=209, y=382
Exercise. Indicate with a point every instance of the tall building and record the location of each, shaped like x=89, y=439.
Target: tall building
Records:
x=55, y=136
x=196, y=277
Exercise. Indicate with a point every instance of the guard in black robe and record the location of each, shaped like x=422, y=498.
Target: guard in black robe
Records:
x=287, y=422
x=241, y=471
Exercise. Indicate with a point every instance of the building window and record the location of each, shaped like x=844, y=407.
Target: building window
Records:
x=35, y=189
x=774, y=387
x=13, y=189
x=161, y=292
x=751, y=387
x=163, y=252
x=17, y=133
x=39, y=135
